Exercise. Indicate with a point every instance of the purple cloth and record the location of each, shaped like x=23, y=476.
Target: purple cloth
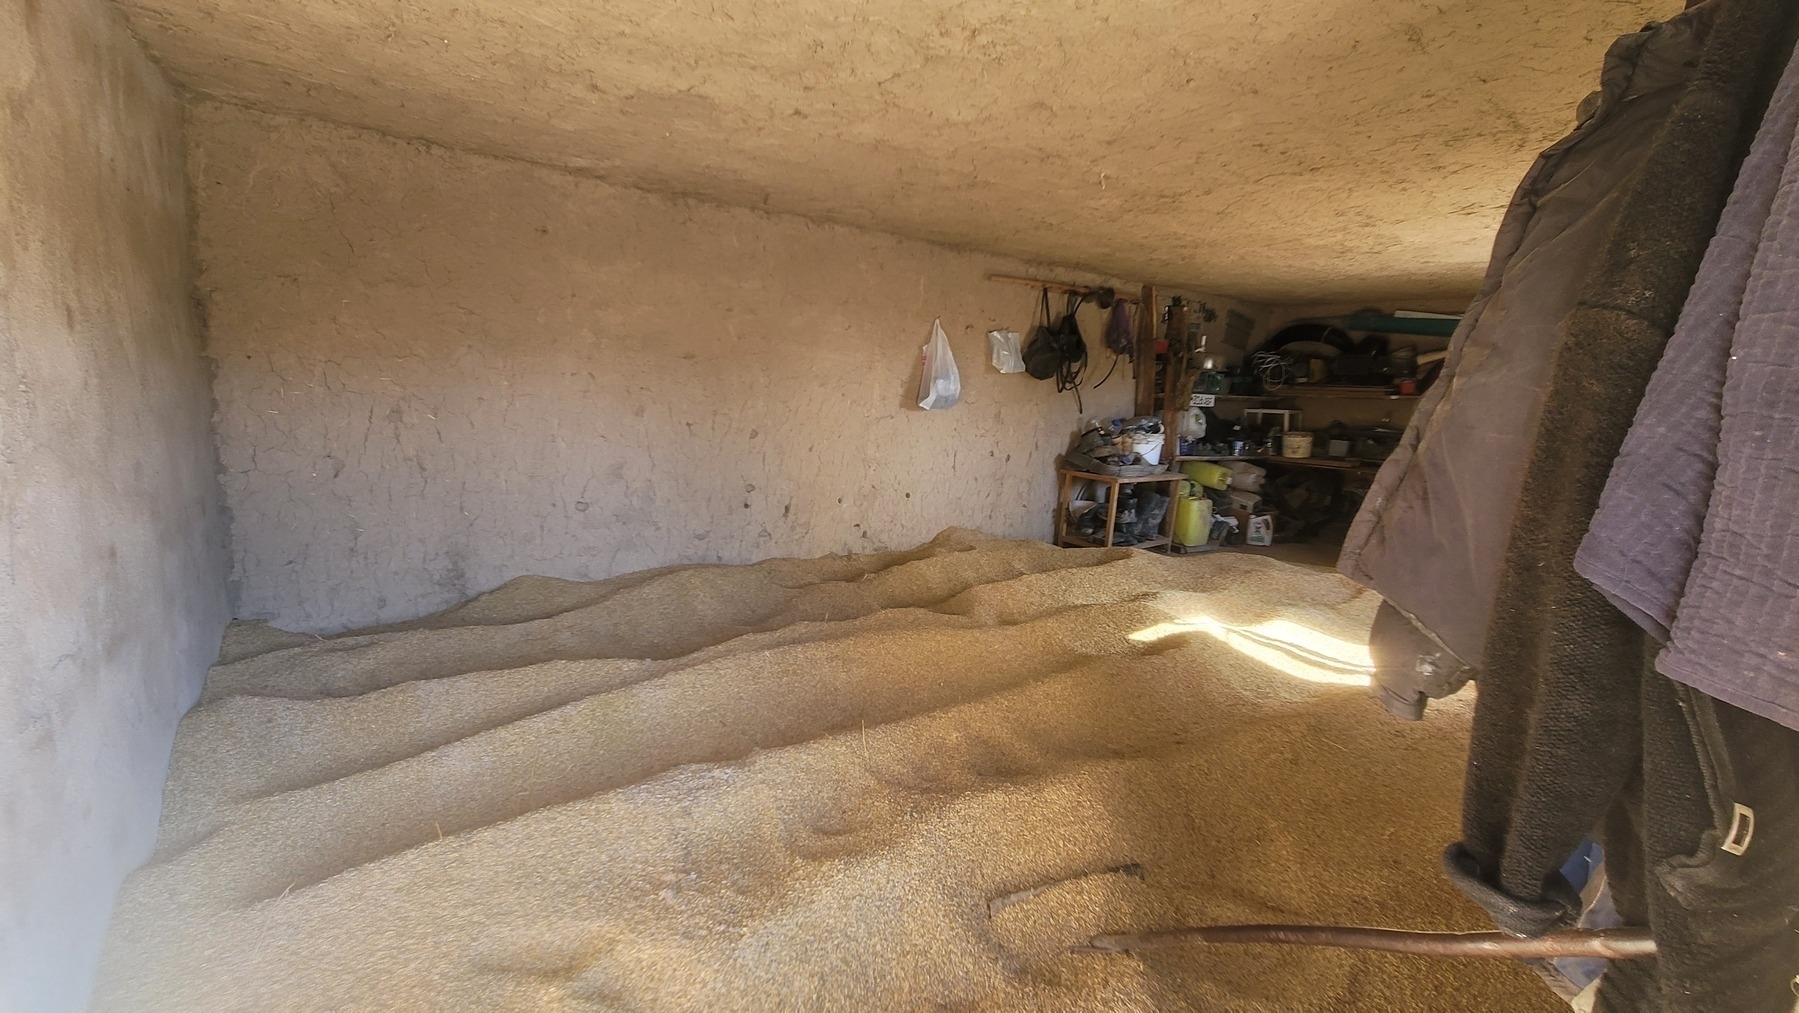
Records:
x=1697, y=534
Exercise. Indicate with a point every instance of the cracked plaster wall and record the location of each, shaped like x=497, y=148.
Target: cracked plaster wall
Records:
x=112, y=567
x=440, y=370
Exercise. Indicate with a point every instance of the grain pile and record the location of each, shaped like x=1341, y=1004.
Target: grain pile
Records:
x=795, y=785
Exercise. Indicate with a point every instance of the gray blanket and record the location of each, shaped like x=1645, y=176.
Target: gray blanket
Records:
x=1697, y=534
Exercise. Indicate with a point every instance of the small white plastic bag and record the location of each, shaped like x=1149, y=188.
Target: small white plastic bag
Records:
x=1007, y=358
x=941, y=385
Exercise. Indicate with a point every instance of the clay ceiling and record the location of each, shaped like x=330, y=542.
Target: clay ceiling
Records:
x=1271, y=149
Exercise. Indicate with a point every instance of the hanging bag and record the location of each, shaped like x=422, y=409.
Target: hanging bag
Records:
x=1058, y=350
x=940, y=385
x=1073, y=346
x=1118, y=329
x=1043, y=356
x=1007, y=358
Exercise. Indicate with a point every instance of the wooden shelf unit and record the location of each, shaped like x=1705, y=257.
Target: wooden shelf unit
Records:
x=1067, y=477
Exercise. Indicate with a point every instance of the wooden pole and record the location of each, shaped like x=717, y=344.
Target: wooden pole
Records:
x=1143, y=359
x=1056, y=286
x=1612, y=944
x=1174, y=398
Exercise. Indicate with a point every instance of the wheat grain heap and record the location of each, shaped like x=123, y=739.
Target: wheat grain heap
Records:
x=797, y=785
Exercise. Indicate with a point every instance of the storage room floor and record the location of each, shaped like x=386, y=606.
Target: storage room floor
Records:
x=814, y=783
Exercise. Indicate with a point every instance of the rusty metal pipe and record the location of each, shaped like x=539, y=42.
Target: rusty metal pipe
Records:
x=1614, y=944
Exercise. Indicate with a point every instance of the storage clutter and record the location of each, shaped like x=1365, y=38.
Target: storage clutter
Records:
x=1130, y=447
x=1141, y=511
x=1221, y=437
x=1276, y=433
x=1201, y=504
x=1233, y=503
x=1119, y=492
x=1268, y=484
x=1178, y=473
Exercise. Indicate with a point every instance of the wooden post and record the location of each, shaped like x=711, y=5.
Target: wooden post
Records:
x=1064, y=480
x=1112, y=512
x=1175, y=385
x=1143, y=359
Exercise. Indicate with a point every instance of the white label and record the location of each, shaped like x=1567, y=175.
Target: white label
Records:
x=1202, y=400
x=1742, y=829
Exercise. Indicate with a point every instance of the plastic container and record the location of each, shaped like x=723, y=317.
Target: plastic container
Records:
x=1296, y=444
x=1147, y=446
x=1247, y=476
x=1260, y=531
x=1193, y=521
x=1212, y=476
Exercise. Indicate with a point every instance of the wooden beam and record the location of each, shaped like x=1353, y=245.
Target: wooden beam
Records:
x=1057, y=286
x=1175, y=383
x=1143, y=359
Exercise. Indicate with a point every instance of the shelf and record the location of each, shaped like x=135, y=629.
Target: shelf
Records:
x=1343, y=393
x=1328, y=463
x=1160, y=476
x=1243, y=399
x=1078, y=542
x=1068, y=477
x=1334, y=463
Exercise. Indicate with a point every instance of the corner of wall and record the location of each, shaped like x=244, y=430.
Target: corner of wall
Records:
x=112, y=584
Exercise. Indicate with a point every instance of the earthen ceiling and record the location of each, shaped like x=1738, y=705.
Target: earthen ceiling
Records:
x=1276, y=150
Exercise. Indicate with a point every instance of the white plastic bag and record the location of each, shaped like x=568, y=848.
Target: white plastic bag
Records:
x=1007, y=358
x=941, y=385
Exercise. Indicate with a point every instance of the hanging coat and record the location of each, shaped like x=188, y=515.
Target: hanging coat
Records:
x=1432, y=532
x=1473, y=529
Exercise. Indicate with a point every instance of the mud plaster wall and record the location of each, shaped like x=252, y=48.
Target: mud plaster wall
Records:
x=439, y=370
x=112, y=570
x=1278, y=151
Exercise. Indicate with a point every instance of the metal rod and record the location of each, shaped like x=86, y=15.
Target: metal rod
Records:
x=1615, y=944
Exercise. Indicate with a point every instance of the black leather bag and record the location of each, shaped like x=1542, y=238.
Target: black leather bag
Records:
x=1056, y=349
